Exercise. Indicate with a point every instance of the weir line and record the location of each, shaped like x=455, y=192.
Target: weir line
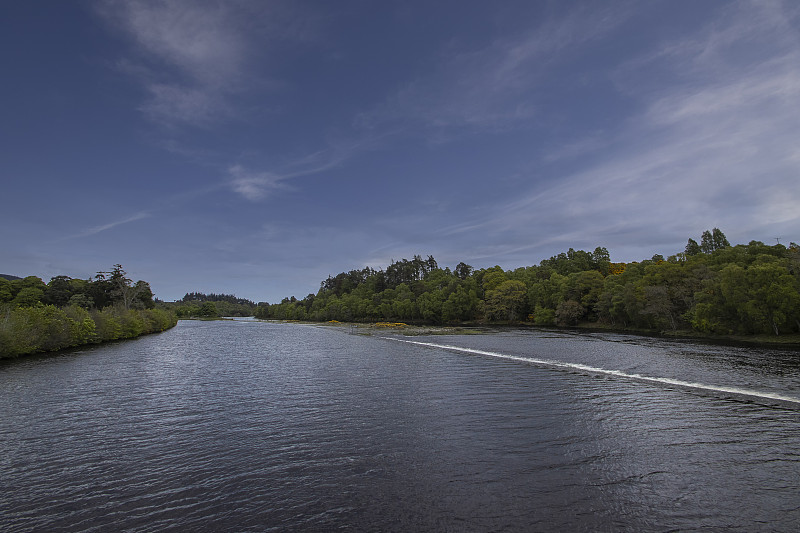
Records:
x=789, y=401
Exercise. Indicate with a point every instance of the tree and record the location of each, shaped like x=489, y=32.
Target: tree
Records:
x=28, y=297
x=493, y=278
x=692, y=248
x=713, y=240
x=463, y=271
x=80, y=300
x=430, y=306
x=584, y=287
x=773, y=296
x=58, y=291
x=6, y=290
x=116, y=287
x=462, y=304
x=659, y=304
x=718, y=239
x=123, y=290
x=542, y=316
x=602, y=260
x=208, y=309
x=569, y=312
x=143, y=295
x=507, y=301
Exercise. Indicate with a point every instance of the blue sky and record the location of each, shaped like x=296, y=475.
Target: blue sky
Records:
x=255, y=147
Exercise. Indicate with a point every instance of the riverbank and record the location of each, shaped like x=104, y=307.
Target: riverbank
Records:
x=791, y=342
x=43, y=329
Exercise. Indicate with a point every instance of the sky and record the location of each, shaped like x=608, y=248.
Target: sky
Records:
x=256, y=147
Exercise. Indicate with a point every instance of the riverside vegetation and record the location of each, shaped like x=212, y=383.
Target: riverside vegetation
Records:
x=67, y=312
x=710, y=288
x=209, y=306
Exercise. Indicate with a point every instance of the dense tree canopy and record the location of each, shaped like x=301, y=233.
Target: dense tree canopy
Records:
x=105, y=289
x=201, y=305
x=66, y=312
x=711, y=287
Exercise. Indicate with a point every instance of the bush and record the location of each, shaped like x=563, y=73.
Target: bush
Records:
x=543, y=316
x=45, y=328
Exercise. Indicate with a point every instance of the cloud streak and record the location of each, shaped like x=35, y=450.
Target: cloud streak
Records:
x=257, y=185
x=716, y=148
x=94, y=230
x=496, y=87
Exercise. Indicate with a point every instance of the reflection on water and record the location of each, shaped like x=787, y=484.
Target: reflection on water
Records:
x=252, y=426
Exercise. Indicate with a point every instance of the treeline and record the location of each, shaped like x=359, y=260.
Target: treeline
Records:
x=709, y=287
x=105, y=289
x=67, y=312
x=200, y=305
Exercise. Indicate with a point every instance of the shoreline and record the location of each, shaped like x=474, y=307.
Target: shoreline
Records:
x=786, y=342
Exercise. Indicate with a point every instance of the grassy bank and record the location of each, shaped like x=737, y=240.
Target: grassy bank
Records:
x=47, y=328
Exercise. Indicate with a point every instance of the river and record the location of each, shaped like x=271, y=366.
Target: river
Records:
x=256, y=426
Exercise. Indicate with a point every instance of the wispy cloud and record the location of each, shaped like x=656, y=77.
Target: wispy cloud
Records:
x=94, y=230
x=495, y=87
x=257, y=185
x=193, y=57
x=254, y=185
x=717, y=147
x=189, y=56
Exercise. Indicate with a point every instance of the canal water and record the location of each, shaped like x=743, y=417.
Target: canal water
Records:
x=258, y=426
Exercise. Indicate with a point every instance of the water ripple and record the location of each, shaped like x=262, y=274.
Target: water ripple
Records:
x=227, y=426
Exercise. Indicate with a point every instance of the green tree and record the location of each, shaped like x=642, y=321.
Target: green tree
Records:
x=507, y=301
x=430, y=306
x=462, y=304
x=6, y=291
x=773, y=297
x=80, y=300
x=692, y=248
x=28, y=297
x=542, y=316
x=59, y=291
x=568, y=313
x=713, y=240
x=208, y=309
x=492, y=278
x=463, y=271
x=584, y=287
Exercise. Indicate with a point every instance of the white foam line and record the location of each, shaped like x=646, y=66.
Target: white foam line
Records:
x=617, y=373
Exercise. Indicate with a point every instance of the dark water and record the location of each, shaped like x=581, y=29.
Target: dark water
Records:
x=248, y=426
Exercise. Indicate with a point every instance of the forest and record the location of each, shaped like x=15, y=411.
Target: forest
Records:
x=201, y=305
x=711, y=287
x=66, y=312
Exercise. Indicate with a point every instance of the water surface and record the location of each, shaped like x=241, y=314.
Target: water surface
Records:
x=253, y=426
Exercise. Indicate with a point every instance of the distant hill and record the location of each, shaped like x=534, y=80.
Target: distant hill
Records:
x=9, y=277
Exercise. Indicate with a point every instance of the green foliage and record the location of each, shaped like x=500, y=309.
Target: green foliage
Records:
x=692, y=248
x=507, y=301
x=193, y=305
x=713, y=240
x=107, y=288
x=6, y=291
x=569, y=312
x=25, y=330
x=542, y=316
x=28, y=297
x=713, y=287
x=208, y=309
x=39, y=317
